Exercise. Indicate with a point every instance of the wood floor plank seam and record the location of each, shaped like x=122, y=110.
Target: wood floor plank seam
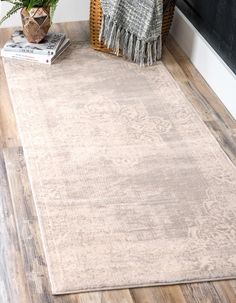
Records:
x=11, y=246
x=206, y=293
x=7, y=117
x=19, y=197
x=226, y=290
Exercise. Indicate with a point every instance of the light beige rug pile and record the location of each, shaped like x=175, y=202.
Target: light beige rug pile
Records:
x=130, y=187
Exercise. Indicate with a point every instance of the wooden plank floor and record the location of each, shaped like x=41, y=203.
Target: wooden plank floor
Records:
x=23, y=270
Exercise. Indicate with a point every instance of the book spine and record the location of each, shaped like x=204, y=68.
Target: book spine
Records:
x=44, y=52
x=34, y=58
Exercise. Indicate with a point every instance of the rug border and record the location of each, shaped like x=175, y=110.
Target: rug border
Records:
x=133, y=286
x=41, y=225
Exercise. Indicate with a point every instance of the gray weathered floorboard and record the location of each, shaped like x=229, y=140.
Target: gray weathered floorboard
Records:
x=13, y=288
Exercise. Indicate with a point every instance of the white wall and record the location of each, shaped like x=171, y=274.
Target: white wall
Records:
x=213, y=69
x=67, y=10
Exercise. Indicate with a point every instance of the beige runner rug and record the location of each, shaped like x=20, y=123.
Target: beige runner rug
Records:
x=130, y=187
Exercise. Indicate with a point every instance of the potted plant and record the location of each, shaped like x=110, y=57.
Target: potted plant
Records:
x=36, y=17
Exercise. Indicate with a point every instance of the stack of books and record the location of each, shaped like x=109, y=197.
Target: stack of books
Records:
x=53, y=45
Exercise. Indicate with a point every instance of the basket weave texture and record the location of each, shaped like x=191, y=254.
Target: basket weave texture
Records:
x=96, y=22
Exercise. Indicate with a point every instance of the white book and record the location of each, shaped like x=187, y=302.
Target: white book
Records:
x=45, y=59
x=49, y=46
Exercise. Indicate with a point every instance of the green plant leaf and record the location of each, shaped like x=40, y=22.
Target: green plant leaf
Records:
x=12, y=11
x=29, y=4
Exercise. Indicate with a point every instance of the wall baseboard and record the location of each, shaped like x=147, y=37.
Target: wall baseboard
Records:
x=213, y=69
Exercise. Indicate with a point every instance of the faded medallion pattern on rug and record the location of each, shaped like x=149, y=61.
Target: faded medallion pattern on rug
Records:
x=131, y=188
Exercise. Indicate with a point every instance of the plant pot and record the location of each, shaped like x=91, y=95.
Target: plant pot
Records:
x=36, y=23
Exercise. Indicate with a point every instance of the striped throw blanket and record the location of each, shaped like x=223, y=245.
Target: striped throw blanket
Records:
x=134, y=27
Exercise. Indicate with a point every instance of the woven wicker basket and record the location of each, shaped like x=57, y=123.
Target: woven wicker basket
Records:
x=96, y=21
